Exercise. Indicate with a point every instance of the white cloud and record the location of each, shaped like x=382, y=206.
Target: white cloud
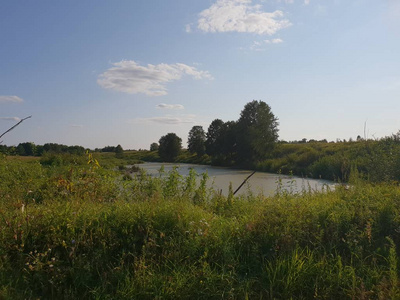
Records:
x=16, y=119
x=306, y=2
x=241, y=16
x=11, y=99
x=260, y=46
x=169, y=106
x=129, y=77
x=168, y=120
x=275, y=41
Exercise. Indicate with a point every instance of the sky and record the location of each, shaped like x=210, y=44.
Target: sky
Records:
x=97, y=73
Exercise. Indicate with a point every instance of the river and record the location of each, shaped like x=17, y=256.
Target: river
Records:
x=260, y=182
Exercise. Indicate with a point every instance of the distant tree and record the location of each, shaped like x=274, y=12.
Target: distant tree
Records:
x=39, y=150
x=108, y=149
x=214, y=137
x=221, y=141
x=4, y=149
x=78, y=150
x=26, y=149
x=119, y=152
x=169, y=147
x=257, y=131
x=153, y=147
x=228, y=140
x=196, y=140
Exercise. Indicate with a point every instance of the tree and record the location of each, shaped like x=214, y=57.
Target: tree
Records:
x=221, y=141
x=257, y=131
x=196, y=140
x=154, y=147
x=26, y=149
x=119, y=152
x=214, y=137
x=169, y=147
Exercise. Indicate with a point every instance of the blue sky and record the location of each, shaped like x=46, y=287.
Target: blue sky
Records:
x=97, y=73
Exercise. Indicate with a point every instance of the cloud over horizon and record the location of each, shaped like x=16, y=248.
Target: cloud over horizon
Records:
x=169, y=106
x=16, y=119
x=241, y=16
x=168, y=120
x=129, y=77
x=11, y=99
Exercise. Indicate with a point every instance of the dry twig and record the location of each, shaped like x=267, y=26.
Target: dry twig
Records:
x=13, y=127
x=244, y=182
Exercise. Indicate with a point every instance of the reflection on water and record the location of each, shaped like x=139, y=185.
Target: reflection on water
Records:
x=260, y=182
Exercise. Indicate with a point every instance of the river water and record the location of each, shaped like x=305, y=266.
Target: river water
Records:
x=261, y=182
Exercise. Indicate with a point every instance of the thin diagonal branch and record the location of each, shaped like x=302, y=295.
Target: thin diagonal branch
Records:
x=248, y=177
x=13, y=127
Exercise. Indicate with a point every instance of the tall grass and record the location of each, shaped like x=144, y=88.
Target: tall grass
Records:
x=78, y=231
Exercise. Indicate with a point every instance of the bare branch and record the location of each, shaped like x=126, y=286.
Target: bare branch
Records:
x=13, y=127
x=244, y=182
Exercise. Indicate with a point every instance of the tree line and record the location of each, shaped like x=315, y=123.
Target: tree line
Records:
x=30, y=149
x=249, y=139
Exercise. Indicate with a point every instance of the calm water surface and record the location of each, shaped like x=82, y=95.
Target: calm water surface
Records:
x=260, y=182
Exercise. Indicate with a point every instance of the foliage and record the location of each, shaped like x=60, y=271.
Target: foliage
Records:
x=214, y=137
x=245, y=141
x=169, y=147
x=257, y=131
x=377, y=161
x=26, y=149
x=78, y=231
x=119, y=152
x=196, y=140
x=30, y=149
x=153, y=147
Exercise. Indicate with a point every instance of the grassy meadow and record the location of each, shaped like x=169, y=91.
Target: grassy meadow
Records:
x=73, y=228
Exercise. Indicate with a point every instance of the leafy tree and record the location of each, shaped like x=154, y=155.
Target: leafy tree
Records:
x=108, y=149
x=119, y=152
x=214, y=137
x=257, y=131
x=26, y=149
x=221, y=141
x=196, y=140
x=229, y=141
x=154, y=147
x=169, y=147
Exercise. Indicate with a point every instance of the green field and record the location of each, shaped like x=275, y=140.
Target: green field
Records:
x=73, y=230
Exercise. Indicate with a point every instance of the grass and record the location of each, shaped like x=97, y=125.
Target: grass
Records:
x=79, y=231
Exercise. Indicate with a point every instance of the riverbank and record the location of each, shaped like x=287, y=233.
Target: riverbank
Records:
x=78, y=231
x=375, y=161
